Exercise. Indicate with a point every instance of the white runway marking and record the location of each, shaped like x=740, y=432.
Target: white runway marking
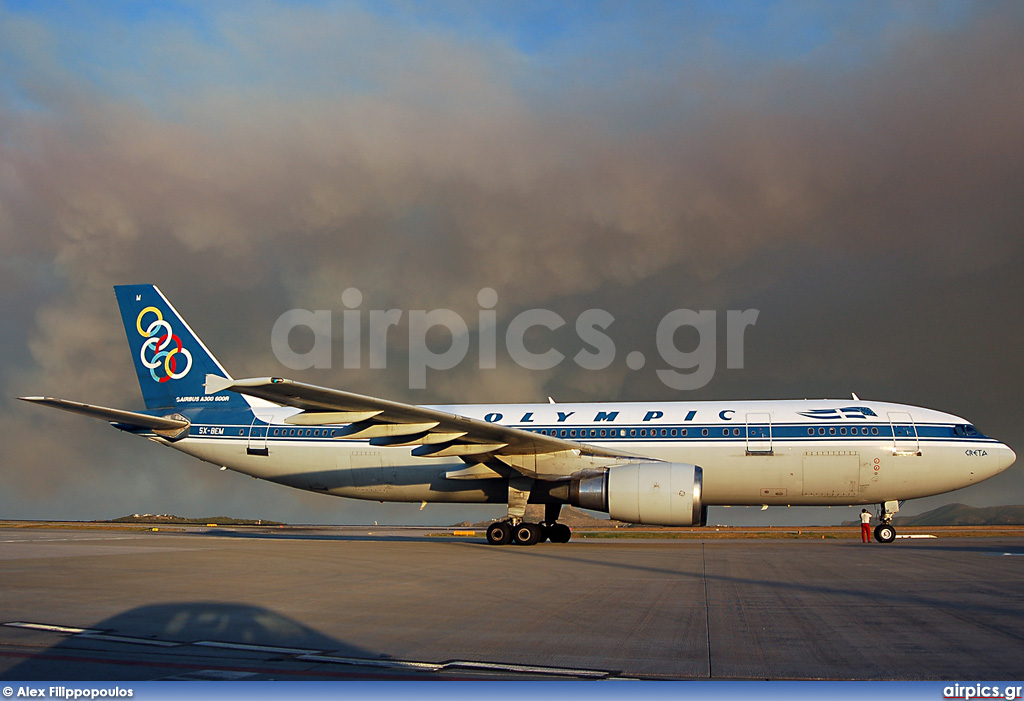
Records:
x=369, y=662
x=209, y=675
x=128, y=639
x=308, y=655
x=528, y=669
x=53, y=629
x=255, y=648
x=65, y=540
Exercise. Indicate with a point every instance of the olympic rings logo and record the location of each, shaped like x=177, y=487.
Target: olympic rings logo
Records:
x=162, y=351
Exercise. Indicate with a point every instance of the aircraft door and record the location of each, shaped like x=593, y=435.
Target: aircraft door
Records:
x=831, y=473
x=759, y=434
x=257, y=438
x=367, y=471
x=904, y=434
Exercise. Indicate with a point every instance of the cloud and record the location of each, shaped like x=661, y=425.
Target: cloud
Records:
x=251, y=164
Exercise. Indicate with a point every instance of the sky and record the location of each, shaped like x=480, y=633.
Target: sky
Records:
x=852, y=171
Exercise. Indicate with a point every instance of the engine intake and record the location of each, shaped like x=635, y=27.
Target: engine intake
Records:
x=655, y=493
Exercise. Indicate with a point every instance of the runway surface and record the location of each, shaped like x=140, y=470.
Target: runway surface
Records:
x=380, y=603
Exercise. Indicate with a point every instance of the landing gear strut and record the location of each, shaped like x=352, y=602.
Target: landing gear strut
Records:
x=554, y=531
x=884, y=532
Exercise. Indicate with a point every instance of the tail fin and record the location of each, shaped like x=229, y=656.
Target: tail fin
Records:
x=171, y=361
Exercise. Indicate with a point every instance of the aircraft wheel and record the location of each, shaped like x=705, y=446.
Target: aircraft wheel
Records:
x=559, y=533
x=527, y=533
x=885, y=533
x=499, y=533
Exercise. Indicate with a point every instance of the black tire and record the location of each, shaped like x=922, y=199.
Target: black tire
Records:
x=559, y=533
x=885, y=533
x=527, y=533
x=499, y=533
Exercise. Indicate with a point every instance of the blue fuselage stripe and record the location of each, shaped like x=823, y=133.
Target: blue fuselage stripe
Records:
x=808, y=433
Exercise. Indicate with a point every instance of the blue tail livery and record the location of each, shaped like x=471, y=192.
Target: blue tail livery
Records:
x=170, y=360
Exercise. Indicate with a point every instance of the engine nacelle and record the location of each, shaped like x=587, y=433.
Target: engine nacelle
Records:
x=655, y=493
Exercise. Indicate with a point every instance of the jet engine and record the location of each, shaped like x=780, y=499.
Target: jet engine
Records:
x=656, y=493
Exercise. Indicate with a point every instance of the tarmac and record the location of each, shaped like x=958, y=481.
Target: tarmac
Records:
x=380, y=603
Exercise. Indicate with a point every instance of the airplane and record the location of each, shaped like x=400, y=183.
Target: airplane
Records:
x=658, y=463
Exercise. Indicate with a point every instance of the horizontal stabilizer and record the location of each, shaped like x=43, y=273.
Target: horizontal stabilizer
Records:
x=120, y=416
x=216, y=383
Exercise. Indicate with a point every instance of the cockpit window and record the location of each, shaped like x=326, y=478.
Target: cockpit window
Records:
x=965, y=430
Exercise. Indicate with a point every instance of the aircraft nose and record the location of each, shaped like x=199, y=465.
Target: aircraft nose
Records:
x=1006, y=456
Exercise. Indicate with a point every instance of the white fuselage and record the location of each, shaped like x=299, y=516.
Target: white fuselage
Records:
x=808, y=452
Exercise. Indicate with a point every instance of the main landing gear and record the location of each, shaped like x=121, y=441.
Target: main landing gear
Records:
x=884, y=532
x=523, y=533
x=515, y=530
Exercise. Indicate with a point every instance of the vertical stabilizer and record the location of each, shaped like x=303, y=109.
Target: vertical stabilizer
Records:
x=170, y=360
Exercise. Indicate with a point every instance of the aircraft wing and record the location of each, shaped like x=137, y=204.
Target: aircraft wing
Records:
x=434, y=433
x=159, y=424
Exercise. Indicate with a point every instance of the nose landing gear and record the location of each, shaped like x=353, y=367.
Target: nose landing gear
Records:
x=885, y=533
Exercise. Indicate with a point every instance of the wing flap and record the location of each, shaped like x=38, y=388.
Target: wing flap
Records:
x=456, y=449
x=327, y=418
